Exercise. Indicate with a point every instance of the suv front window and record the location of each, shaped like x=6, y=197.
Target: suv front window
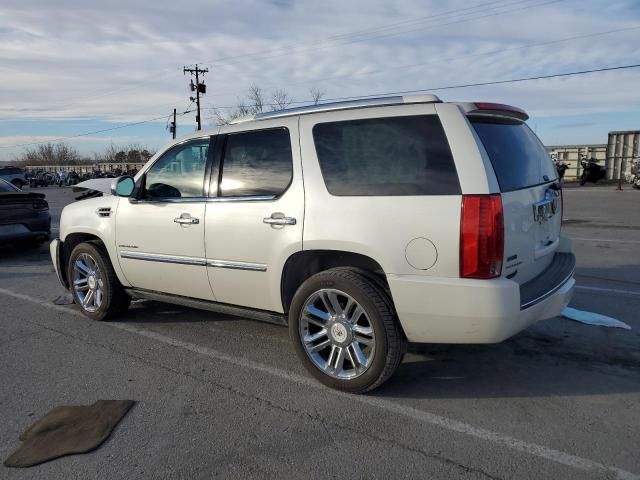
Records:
x=179, y=173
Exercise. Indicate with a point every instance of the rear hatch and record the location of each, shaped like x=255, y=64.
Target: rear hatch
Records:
x=531, y=196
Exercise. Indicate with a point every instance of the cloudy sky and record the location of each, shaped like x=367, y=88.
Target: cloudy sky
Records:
x=72, y=67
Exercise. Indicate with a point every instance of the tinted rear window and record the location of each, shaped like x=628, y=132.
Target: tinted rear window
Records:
x=518, y=157
x=386, y=156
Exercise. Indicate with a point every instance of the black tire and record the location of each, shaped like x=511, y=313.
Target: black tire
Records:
x=390, y=341
x=114, y=299
x=583, y=179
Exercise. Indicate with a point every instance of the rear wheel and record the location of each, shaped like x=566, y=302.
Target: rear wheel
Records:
x=93, y=283
x=583, y=179
x=344, y=330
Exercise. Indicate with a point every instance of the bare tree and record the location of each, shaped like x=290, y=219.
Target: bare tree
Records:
x=254, y=103
x=256, y=99
x=281, y=100
x=50, y=154
x=316, y=95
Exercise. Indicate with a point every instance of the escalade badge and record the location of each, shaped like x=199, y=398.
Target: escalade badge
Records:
x=545, y=209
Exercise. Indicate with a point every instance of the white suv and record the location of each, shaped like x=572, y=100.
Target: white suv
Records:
x=362, y=225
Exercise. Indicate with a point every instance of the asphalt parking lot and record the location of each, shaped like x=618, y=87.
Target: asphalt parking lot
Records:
x=225, y=397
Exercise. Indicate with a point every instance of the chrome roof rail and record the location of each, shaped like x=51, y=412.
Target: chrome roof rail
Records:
x=343, y=105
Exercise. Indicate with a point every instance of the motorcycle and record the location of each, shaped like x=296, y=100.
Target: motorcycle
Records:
x=561, y=168
x=592, y=171
x=635, y=173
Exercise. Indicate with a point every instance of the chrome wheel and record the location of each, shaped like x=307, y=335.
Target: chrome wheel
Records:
x=337, y=334
x=88, y=282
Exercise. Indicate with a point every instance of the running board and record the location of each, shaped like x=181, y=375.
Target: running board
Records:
x=224, y=308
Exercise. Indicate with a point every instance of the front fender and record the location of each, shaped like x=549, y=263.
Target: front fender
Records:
x=95, y=217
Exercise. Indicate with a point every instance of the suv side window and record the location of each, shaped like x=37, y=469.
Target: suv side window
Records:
x=179, y=173
x=386, y=156
x=257, y=163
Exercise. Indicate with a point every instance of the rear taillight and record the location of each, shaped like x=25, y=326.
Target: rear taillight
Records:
x=481, y=236
x=39, y=204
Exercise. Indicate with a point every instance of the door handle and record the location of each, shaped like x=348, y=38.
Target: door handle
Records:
x=279, y=219
x=186, y=219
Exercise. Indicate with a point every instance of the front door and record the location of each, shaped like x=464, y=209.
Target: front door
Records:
x=255, y=214
x=160, y=237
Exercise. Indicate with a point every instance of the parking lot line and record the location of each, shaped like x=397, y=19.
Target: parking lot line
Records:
x=604, y=240
x=506, y=441
x=607, y=290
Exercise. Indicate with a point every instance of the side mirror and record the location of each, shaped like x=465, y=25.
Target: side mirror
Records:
x=123, y=186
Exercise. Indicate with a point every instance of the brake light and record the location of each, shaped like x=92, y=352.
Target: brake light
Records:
x=39, y=205
x=501, y=107
x=481, y=236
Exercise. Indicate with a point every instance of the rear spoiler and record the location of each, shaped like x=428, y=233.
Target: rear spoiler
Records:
x=32, y=195
x=486, y=108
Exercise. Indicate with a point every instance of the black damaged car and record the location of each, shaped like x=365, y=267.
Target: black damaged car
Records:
x=23, y=215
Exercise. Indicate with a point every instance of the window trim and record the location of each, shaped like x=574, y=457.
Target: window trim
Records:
x=218, y=170
x=385, y=117
x=201, y=198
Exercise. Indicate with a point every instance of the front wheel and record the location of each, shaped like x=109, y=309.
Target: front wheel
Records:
x=344, y=330
x=93, y=283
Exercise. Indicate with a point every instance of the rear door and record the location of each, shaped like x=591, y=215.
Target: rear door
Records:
x=255, y=213
x=530, y=194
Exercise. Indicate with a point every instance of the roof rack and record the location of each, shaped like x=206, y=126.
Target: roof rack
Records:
x=344, y=105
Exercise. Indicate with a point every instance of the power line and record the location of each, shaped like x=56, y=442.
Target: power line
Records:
x=464, y=85
x=313, y=45
x=59, y=139
x=404, y=92
x=444, y=59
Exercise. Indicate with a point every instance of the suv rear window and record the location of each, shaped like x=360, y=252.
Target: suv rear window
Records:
x=386, y=156
x=518, y=157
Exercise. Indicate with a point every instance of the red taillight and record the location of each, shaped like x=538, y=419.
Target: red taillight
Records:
x=481, y=236
x=501, y=107
x=39, y=204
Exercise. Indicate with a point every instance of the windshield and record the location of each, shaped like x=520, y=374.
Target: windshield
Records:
x=6, y=187
x=518, y=157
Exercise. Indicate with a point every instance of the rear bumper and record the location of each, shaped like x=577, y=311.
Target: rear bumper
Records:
x=37, y=226
x=55, y=249
x=454, y=310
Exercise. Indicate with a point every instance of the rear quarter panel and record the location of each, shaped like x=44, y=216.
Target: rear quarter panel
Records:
x=380, y=227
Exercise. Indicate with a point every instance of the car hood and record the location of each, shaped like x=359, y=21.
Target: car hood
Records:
x=98, y=184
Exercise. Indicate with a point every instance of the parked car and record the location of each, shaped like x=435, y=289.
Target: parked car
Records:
x=41, y=179
x=14, y=175
x=23, y=215
x=362, y=225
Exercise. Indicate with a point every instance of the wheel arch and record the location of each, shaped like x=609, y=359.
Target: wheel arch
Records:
x=303, y=264
x=74, y=238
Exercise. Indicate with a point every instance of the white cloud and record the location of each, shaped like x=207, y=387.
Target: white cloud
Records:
x=122, y=61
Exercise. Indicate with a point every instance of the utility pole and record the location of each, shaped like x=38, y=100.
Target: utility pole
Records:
x=198, y=88
x=172, y=128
